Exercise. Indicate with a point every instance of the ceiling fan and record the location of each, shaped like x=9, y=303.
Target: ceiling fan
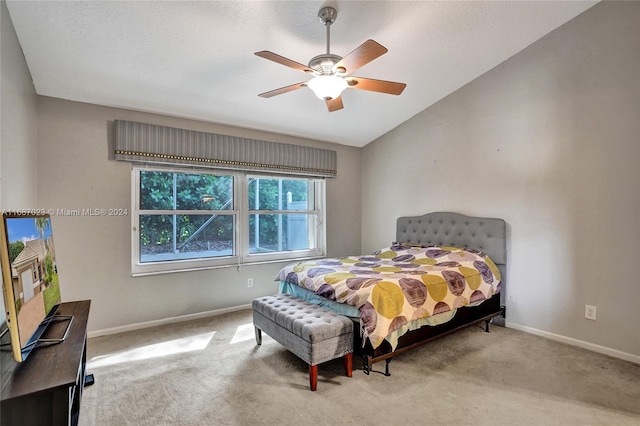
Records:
x=331, y=73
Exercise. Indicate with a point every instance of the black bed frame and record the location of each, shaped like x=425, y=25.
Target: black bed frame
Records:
x=487, y=235
x=464, y=317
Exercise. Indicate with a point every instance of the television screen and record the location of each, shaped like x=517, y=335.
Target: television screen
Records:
x=29, y=279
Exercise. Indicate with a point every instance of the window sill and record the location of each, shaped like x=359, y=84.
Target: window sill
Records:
x=238, y=266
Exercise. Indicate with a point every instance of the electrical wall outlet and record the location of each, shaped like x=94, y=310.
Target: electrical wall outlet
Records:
x=250, y=282
x=590, y=312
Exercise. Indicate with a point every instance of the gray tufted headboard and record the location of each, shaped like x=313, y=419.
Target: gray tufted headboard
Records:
x=488, y=235
x=485, y=234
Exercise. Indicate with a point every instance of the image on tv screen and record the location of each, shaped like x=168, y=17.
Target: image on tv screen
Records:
x=31, y=279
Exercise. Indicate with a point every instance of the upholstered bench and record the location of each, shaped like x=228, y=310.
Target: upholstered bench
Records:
x=313, y=333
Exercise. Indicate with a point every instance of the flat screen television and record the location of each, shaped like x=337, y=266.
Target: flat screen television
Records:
x=30, y=284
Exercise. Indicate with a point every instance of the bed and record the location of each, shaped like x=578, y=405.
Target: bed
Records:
x=444, y=272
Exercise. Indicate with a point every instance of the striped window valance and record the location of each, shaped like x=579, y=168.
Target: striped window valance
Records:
x=153, y=144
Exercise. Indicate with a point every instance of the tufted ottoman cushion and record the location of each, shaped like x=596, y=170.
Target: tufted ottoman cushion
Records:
x=311, y=332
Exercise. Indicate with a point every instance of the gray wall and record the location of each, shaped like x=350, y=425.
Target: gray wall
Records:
x=18, y=126
x=76, y=171
x=550, y=141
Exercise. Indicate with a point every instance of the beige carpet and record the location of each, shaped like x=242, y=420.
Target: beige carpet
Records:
x=210, y=372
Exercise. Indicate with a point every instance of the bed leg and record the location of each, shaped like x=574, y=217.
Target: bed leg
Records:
x=486, y=325
x=365, y=365
x=386, y=367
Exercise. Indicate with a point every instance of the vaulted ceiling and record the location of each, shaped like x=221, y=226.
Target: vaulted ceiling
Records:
x=196, y=59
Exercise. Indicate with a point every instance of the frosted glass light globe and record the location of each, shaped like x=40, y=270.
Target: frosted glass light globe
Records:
x=327, y=87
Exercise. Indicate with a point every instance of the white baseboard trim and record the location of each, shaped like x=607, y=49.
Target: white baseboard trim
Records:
x=575, y=342
x=164, y=321
x=563, y=339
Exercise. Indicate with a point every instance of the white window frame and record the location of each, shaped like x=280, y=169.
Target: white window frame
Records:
x=241, y=213
x=317, y=192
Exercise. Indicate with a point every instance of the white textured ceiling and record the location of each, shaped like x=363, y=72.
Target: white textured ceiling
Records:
x=196, y=59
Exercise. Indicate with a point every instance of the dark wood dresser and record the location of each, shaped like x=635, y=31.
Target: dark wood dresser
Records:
x=46, y=389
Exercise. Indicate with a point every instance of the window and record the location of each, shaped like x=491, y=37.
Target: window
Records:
x=185, y=220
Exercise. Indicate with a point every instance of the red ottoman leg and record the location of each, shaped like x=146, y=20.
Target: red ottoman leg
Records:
x=348, y=364
x=313, y=377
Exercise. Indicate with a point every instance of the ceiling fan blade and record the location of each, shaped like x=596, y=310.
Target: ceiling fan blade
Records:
x=335, y=104
x=382, y=86
x=362, y=55
x=284, y=61
x=282, y=90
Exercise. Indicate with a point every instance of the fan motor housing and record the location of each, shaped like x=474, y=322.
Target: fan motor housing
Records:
x=324, y=63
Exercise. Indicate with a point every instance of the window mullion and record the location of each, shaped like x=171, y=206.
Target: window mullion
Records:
x=187, y=212
x=241, y=188
x=284, y=211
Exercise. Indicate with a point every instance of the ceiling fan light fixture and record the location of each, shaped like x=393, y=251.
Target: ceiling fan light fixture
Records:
x=327, y=87
x=332, y=72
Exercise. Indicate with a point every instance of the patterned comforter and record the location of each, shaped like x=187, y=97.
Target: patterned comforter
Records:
x=399, y=284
